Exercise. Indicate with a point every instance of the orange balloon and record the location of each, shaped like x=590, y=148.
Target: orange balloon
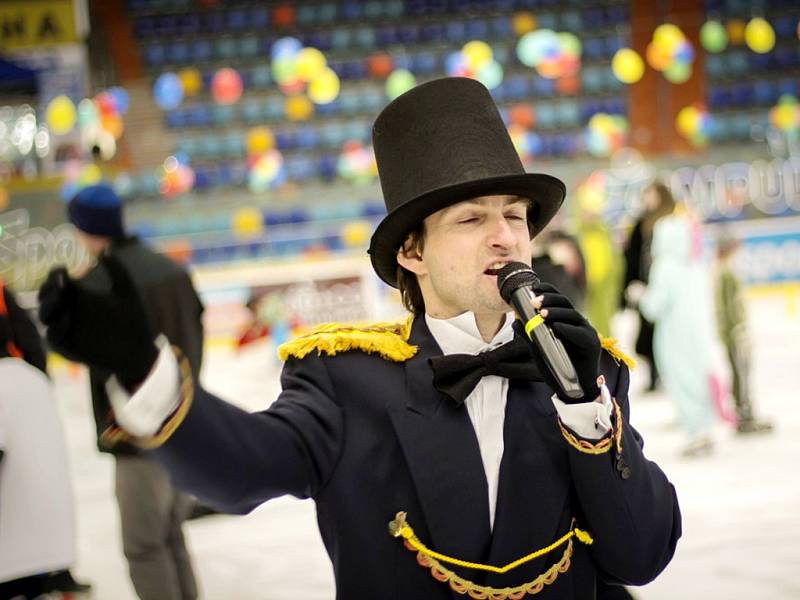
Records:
x=567, y=86
x=736, y=29
x=380, y=65
x=179, y=251
x=112, y=124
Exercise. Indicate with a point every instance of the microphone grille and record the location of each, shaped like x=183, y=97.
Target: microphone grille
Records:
x=514, y=276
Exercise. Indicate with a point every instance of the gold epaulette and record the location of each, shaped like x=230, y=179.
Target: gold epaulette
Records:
x=390, y=340
x=610, y=346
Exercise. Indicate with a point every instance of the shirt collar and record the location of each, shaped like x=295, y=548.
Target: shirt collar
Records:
x=460, y=334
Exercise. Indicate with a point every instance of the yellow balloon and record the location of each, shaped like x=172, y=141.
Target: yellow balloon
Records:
x=477, y=53
x=310, y=64
x=298, y=108
x=89, y=175
x=668, y=36
x=60, y=115
x=627, y=65
x=325, y=88
x=356, y=233
x=247, y=222
x=191, y=79
x=522, y=23
x=259, y=140
x=687, y=121
x=759, y=35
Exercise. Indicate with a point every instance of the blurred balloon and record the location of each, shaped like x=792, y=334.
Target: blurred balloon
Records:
x=356, y=234
x=713, y=36
x=735, y=28
x=522, y=23
x=286, y=47
x=605, y=134
x=759, y=35
x=226, y=86
x=477, y=54
x=247, y=222
x=678, y=73
x=785, y=115
x=380, y=65
x=112, y=124
x=191, y=80
x=60, y=115
x=89, y=175
x=87, y=113
x=259, y=140
x=490, y=74
x=522, y=115
x=168, y=91
x=591, y=194
x=671, y=52
x=265, y=171
x=694, y=123
x=3, y=202
x=627, y=66
x=552, y=54
x=310, y=64
x=399, y=82
x=298, y=108
x=324, y=88
x=175, y=178
x=357, y=163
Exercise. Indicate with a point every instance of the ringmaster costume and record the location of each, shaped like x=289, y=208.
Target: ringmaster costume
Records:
x=405, y=500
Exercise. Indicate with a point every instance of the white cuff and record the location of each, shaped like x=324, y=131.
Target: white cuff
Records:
x=143, y=413
x=590, y=420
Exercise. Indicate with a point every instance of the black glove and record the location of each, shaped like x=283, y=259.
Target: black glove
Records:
x=109, y=331
x=579, y=338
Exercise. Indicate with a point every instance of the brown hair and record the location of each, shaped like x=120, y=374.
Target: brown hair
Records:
x=666, y=205
x=407, y=283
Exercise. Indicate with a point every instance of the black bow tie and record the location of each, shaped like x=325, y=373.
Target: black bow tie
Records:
x=456, y=375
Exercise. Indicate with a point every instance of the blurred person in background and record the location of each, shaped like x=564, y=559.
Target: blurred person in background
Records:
x=443, y=421
x=37, y=518
x=557, y=260
x=603, y=265
x=677, y=300
x=732, y=326
x=151, y=509
x=656, y=202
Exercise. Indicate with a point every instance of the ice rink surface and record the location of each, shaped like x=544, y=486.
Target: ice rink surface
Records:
x=741, y=504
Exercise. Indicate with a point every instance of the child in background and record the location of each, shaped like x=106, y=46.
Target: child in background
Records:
x=732, y=325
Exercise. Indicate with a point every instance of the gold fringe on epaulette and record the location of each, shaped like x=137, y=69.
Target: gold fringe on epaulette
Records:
x=610, y=346
x=390, y=340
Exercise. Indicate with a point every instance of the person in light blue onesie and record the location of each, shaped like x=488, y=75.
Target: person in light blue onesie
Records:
x=678, y=301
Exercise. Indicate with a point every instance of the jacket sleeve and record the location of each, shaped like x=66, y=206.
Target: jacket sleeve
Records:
x=632, y=515
x=24, y=334
x=234, y=460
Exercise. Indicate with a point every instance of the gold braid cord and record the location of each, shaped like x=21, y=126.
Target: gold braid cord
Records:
x=602, y=446
x=432, y=560
x=115, y=433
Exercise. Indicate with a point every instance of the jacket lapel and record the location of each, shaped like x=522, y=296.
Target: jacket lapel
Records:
x=442, y=452
x=533, y=486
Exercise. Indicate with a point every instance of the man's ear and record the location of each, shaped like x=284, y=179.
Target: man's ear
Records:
x=409, y=258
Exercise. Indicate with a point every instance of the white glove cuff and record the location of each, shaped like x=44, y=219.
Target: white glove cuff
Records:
x=143, y=413
x=590, y=420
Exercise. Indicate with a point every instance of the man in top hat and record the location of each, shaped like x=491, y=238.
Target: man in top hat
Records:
x=426, y=485
x=163, y=299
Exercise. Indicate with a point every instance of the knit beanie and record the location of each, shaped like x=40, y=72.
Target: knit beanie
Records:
x=97, y=210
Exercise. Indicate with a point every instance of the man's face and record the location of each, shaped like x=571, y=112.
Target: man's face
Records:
x=464, y=246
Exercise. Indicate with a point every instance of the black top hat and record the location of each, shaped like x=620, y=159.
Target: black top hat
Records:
x=440, y=143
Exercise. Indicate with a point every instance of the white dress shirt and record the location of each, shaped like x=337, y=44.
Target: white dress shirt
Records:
x=486, y=405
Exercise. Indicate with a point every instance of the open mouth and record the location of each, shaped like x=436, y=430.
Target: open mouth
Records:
x=493, y=269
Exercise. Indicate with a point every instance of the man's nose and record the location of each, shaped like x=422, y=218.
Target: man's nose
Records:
x=501, y=234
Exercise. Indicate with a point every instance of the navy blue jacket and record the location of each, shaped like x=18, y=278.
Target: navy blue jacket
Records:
x=366, y=438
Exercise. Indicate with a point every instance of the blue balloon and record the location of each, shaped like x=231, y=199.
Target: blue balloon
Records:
x=168, y=91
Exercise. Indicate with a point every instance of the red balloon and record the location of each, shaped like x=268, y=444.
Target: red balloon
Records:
x=380, y=65
x=283, y=15
x=226, y=86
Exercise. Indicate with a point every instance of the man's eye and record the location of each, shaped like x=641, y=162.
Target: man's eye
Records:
x=516, y=217
x=468, y=220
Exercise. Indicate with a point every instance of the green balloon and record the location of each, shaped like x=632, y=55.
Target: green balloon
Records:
x=713, y=36
x=678, y=73
x=399, y=82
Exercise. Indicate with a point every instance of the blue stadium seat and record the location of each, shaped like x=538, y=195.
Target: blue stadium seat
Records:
x=307, y=137
x=249, y=46
x=154, y=54
x=200, y=51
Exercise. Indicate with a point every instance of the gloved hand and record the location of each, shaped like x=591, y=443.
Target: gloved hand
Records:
x=103, y=330
x=579, y=338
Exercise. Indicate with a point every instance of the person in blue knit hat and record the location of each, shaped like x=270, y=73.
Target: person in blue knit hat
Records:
x=151, y=509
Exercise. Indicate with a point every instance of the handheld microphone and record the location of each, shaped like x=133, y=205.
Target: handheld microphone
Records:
x=516, y=281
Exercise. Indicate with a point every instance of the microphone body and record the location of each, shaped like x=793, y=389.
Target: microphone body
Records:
x=516, y=282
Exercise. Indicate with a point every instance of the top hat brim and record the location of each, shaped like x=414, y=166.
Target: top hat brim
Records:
x=546, y=193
